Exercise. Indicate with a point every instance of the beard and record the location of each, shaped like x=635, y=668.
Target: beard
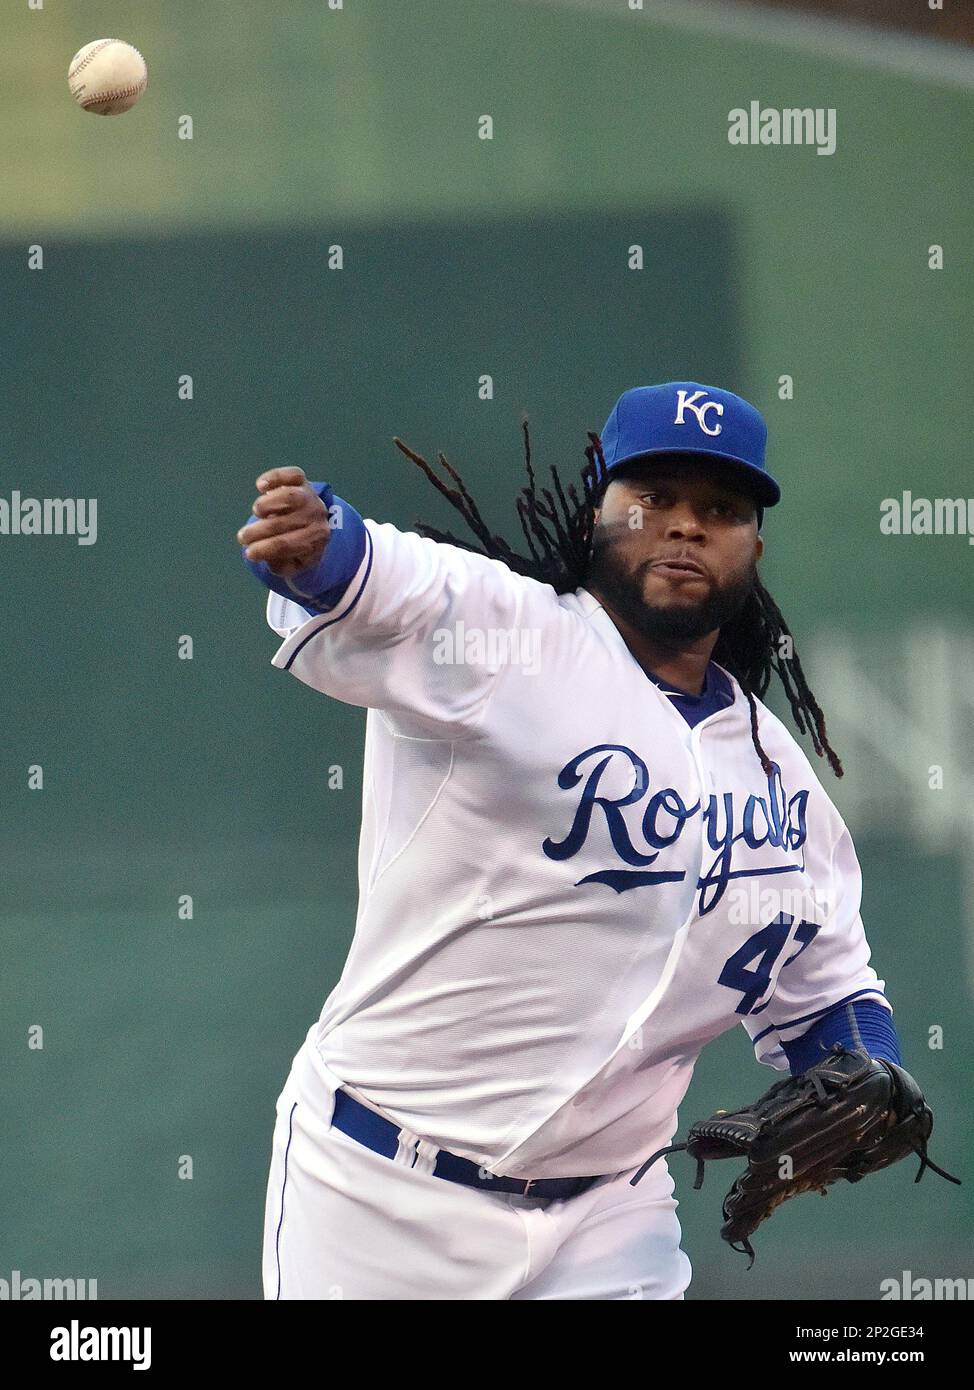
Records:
x=683, y=622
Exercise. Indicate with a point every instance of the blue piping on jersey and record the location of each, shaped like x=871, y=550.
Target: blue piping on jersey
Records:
x=805, y=1018
x=365, y=577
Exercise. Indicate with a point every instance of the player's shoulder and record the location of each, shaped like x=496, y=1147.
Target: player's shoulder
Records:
x=386, y=536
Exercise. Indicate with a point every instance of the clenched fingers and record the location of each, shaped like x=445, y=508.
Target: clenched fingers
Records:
x=270, y=526
x=279, y=500
x=288, y=553
x=281, y=477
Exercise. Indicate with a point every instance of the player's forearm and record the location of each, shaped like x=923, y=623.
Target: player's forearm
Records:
x=320, y=588
x=862, y=1025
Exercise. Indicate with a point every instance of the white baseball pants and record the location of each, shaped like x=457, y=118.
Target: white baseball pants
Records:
x=342, y=1222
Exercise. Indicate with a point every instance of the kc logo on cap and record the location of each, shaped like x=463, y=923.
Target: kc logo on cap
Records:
x=684, y=401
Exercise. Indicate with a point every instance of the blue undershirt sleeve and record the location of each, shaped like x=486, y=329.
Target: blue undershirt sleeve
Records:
x=863, y=1025
x=321, y=587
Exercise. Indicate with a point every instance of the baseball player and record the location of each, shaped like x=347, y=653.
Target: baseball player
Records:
x=587, y=849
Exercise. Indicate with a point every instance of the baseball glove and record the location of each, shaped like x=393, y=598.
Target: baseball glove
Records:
x=847, y=1116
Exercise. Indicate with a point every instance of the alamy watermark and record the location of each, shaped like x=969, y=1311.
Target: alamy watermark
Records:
x=23, y=1287
x=791, y=125
x=463, y=645
x=50, y=516
x=83, y=1343
x=907, y=515
x=750, y=904
x=909, y=1288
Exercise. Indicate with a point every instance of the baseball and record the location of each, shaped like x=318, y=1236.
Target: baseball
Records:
x=107, y=77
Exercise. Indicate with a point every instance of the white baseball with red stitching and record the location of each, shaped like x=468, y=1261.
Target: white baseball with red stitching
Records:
x=107, y=77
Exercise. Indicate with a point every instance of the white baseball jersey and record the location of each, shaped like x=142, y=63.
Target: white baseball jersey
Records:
x=564, y=891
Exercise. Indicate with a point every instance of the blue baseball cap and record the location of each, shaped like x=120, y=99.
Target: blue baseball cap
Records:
x=684, y=417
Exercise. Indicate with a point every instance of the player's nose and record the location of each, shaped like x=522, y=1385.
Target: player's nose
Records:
x=683, y=524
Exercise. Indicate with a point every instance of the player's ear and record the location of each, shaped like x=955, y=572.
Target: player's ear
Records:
x=758, y=547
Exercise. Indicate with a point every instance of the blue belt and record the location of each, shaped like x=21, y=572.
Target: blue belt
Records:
x=382, y=1137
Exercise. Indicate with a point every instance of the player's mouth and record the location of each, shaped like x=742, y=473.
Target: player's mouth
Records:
x=678, y=568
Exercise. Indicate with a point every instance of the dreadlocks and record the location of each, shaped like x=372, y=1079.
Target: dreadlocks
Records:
x=558, y=530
